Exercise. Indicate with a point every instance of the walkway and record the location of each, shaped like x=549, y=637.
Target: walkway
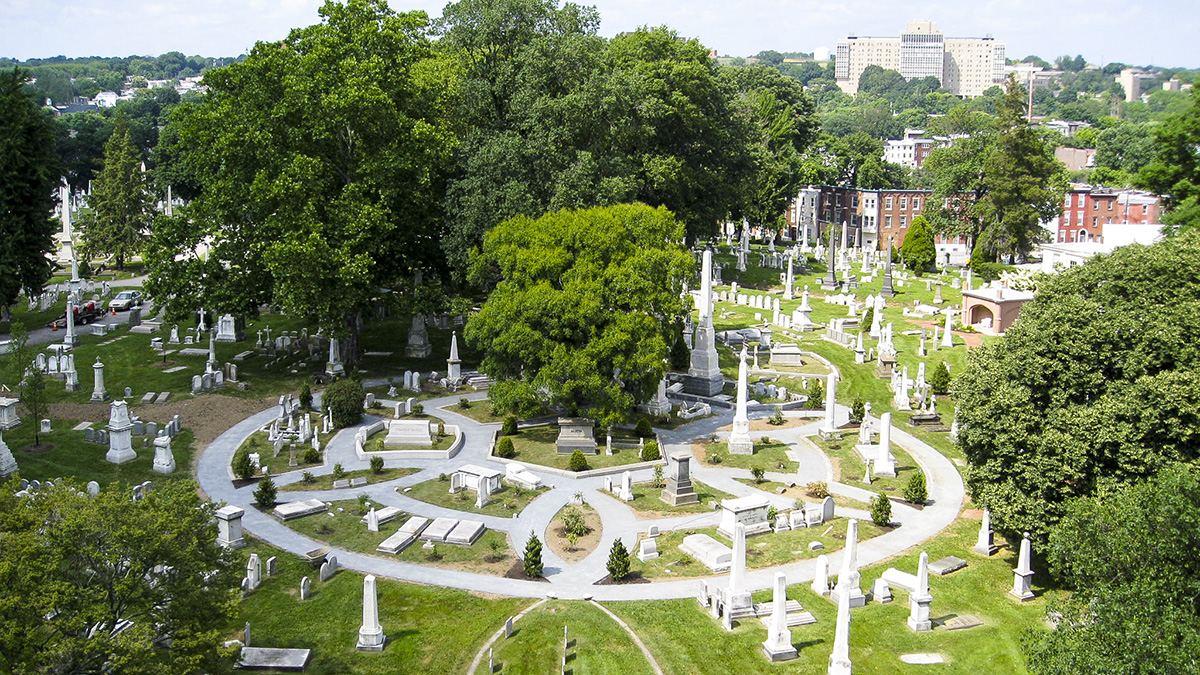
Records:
x=577, y=581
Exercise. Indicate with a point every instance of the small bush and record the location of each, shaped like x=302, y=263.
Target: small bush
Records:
x=242, y=466
x=443, y=477
x=915, y=490
x=765, y=440
x=714, y=458
x=573, y=521
x=650, y=451
x=881, y=510
x=312, y=456
x=497, y=549
x=505, y=449
x=643, y=428
x=364, y=505
x=307, y=478
x=338, y=472
x=618, y=561
x=772, y=513
x=658, y=477
x=306, y=397
x=532, y=564
x=441, y=429
x=815, y=390
x=818, y=489
x=418, y=409
x=376, y=465
x=264, y=494
x=776, y=419
x=464, y=404
x=858, y=410
x=578, y=462
x=758, y=473
x=939, y=379
x=510, y=426
x=868, y=318
x=345, y=398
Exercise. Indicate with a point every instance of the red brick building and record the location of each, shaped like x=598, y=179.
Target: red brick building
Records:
x=1086, y=210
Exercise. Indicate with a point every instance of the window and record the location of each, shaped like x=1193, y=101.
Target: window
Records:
x=887, y=203
x=916, y=203
x=1110, y=203
x=887, y=222
x=903, y=221
x=1145, y=209
x=1070, y=198
x=1067, y=219
x=1095, y=221
x=903, y=203
x=1083, y=235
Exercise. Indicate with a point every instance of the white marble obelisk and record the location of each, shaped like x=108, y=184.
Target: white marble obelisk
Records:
x=778, y=645
x=849, y=578
x=829, y=428
x=1023, y=574
x=370, y=635
x=885, y=463
x=740, y=442
x=983, y=545
x=839, y=660
x=919, y=599
x=788, y=292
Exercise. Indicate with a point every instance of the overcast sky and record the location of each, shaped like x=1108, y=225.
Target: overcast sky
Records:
x=1131, y=31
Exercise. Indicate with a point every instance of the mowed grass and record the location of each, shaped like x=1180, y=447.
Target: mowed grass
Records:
x=508, y=501
x=325, y=482
x=429, y=629
x=595, y=643
x=73, y=457
x=770, y=456
x=878, y=633
x=764, y=550
x=648, y=503
x=536, y=445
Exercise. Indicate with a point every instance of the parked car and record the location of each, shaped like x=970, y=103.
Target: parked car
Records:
x=126, y=299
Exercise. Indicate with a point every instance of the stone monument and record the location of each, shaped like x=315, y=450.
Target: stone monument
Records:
x=120, y=429
x=164, y=459
x=679, y=490
x=778, y=645
x=740, y=442
x=704, y=374
x=919, y=599
x=418, y=339
x=1023, y=573
x=575, y=433
x=99, y=393
x=370, y=634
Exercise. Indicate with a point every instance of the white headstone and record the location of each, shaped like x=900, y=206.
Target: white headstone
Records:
x=370, y=634
x=919, y=599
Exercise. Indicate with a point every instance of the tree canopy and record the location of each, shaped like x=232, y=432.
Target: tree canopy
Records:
x=28, y=178
x=1096, y=386
x=119, y=206
x=1130, y=561
x=75, y=568
x=1175, y=170
x=583, y=308
x=321, y=159
x=918, y=251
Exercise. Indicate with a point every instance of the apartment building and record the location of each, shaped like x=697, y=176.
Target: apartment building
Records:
x=1087, y=209
x=966, y=66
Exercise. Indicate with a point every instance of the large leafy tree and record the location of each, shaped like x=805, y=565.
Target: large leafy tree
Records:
x=995, y=188
x=1130, y=561
x=1096, y=386
x=28, y=176
x=321, y=163
x=918, y=251
x=582, y=310
x=1175, y=170
x=119, y=207
x=93, y=584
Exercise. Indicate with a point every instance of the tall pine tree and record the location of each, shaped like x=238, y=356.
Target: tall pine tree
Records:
x=28, y=176
x=120, y=200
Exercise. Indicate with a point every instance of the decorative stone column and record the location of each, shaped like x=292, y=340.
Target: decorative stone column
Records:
x=120, y=430
x=229, y=527
x=99, y=393
x=370, y=634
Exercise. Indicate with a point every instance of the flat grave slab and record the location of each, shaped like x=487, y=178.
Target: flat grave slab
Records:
x=947, y=565
x=242, y=356
x=439, y=529
x=254, y=658
x=81, y=426
x=292, y=510
x=385, y=515
x=414, y=525
x=358, y=482
x=176, y=369
x=902, y=580
x=377, y=353
x=149, y=397
x=715, y=555
x=396, y=543
x=163, y=397
x=961, y=622
x=467, y=532
x=193, y=351
x=144, y=329
x=341, y=483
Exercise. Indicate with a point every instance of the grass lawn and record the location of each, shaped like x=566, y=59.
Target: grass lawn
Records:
x=480, y=411
x=537, y=446
x=647, y=501
x=508, y=501
x=73, y=457
x=596, y=643
x=769, y=456
x=556, y=534
x=375, y=442
x=878, y=634
x=326, y=482
x=258, y=442
x=800, y=493
x=429, y=629
x=848, y=467
x=765, y=550
x=491, y=554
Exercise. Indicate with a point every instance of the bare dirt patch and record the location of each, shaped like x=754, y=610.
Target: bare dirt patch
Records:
x=556, y=536
x=206, y=416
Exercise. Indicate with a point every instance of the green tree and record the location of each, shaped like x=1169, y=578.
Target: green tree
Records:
x=1043, y=420
x=651, y=452
x=915, y=489
x=1175, y=170
x=994, y=188
x=858, y=410
x=918, y=251
x=28, y=177
x=582, y=309
x=573, y=522
x=120, y=201
x=243, y=468
x=321, y=160
x=618, y=561
x=939, y=379
x=505, y=448
x=306, y=397
x=643, y=429
x=1129, y=560
x=18, y=356
x=577, y=462
x=33, y=397
x=509, y=428
x=264, y=494
x=881, y=510
x=345, y=399
x=74, y=568
x=376, y=465
x=532, y=560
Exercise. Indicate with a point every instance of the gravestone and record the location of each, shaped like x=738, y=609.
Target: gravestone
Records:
x=305, y=588
x=575, y=433
x=647, y=549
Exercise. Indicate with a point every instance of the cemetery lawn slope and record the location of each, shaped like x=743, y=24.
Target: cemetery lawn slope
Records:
x=595, y=643
x=508, y=501
x=73, y=457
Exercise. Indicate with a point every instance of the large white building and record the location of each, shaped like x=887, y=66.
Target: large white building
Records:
x=966, y=66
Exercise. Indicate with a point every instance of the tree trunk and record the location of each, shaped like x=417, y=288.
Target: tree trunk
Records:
x=350, y=354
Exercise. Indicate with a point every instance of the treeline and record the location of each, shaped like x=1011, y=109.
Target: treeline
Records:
x=61, y=79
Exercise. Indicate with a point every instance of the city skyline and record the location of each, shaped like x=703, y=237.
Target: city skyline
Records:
x=1099, y=30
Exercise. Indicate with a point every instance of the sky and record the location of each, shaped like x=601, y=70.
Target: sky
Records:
x=1147, y=32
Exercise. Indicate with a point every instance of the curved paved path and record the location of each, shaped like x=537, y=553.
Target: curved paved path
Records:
x=576, y=581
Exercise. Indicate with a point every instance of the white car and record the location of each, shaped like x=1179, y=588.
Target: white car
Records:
x=126, y=299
